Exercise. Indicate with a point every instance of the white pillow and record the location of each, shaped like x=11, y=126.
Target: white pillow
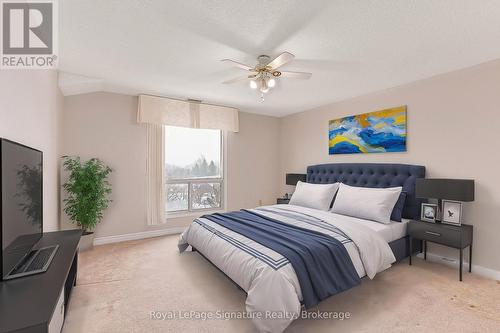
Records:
x=367, y=203
x=317, y=196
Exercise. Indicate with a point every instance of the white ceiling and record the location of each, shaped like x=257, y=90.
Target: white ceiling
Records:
x=174, y=48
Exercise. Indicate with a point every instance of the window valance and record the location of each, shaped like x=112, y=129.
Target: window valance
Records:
x=172, y=112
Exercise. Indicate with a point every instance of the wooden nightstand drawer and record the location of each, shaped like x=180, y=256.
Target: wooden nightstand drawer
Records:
x=437, y=233
x=458, y=237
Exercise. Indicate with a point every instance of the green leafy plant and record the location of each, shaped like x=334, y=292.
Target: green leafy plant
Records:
x=88, y=191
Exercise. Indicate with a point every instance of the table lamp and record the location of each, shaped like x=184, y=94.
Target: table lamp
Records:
x=448, y=192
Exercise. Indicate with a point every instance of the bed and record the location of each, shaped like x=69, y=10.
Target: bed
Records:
x=274, y=283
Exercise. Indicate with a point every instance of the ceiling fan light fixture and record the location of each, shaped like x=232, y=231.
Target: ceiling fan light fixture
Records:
x=263, y=76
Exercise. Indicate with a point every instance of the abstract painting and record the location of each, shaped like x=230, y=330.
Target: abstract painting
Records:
x=374, y=132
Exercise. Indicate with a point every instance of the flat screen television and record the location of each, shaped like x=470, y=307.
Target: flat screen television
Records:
x=21, y=205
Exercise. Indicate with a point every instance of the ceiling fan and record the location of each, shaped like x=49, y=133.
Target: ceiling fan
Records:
x=263, y=76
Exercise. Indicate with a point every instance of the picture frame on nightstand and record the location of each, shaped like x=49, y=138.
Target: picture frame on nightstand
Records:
x=452, y=212
x=429, y=212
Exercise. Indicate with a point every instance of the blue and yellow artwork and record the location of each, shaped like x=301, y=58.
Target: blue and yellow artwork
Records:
x=374, y=132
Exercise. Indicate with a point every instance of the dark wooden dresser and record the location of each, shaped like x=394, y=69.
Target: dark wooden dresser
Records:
x=37, y=303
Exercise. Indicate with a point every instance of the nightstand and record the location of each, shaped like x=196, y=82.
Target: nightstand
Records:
x=458, y=237
x=282, y=201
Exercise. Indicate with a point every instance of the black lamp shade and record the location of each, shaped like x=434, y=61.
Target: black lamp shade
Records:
x=293, y=178
x=448, y=189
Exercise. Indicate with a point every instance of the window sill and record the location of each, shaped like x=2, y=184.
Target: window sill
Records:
x=193, y=214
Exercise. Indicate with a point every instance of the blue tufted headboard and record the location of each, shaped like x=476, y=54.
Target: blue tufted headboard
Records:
x=372, y=175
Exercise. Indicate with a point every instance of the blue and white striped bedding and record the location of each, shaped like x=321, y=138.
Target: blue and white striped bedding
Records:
x=304, y=220
x=268, y=278
x=274, y=264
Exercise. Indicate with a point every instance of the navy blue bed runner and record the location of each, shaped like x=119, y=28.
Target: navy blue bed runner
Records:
x=321, y=262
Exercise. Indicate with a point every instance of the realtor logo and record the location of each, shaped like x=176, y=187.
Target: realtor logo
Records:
x=28, y=34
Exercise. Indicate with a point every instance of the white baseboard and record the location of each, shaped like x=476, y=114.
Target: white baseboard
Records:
x=138, y=235
x=480, y=270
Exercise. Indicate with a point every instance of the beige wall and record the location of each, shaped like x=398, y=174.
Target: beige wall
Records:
x=252, y=162
x=30, y=107
x=453, y=129
x=104, y=125
x=452, y=121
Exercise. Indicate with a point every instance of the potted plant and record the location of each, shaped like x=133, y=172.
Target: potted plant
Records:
x=88, y=193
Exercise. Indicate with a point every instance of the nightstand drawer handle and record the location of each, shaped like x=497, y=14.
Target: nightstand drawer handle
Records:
x=433, y=233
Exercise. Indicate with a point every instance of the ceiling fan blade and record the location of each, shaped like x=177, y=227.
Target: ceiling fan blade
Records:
x=236, y=79
x=296, y=75
x=280, y=60
x=238, y=64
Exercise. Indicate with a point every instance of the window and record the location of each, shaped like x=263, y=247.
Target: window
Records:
x=193, y=169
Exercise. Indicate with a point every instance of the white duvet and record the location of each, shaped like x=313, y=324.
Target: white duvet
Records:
x=267, y=277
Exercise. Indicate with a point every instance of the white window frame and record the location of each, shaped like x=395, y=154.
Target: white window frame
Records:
x=189, y=181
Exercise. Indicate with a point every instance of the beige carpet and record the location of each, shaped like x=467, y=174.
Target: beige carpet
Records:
x=120, y=284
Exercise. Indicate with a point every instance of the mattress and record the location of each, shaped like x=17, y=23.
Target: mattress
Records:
x=270, y=281
x=389, y=232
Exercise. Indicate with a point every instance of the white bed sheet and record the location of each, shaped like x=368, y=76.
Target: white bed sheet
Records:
x=389, y=232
